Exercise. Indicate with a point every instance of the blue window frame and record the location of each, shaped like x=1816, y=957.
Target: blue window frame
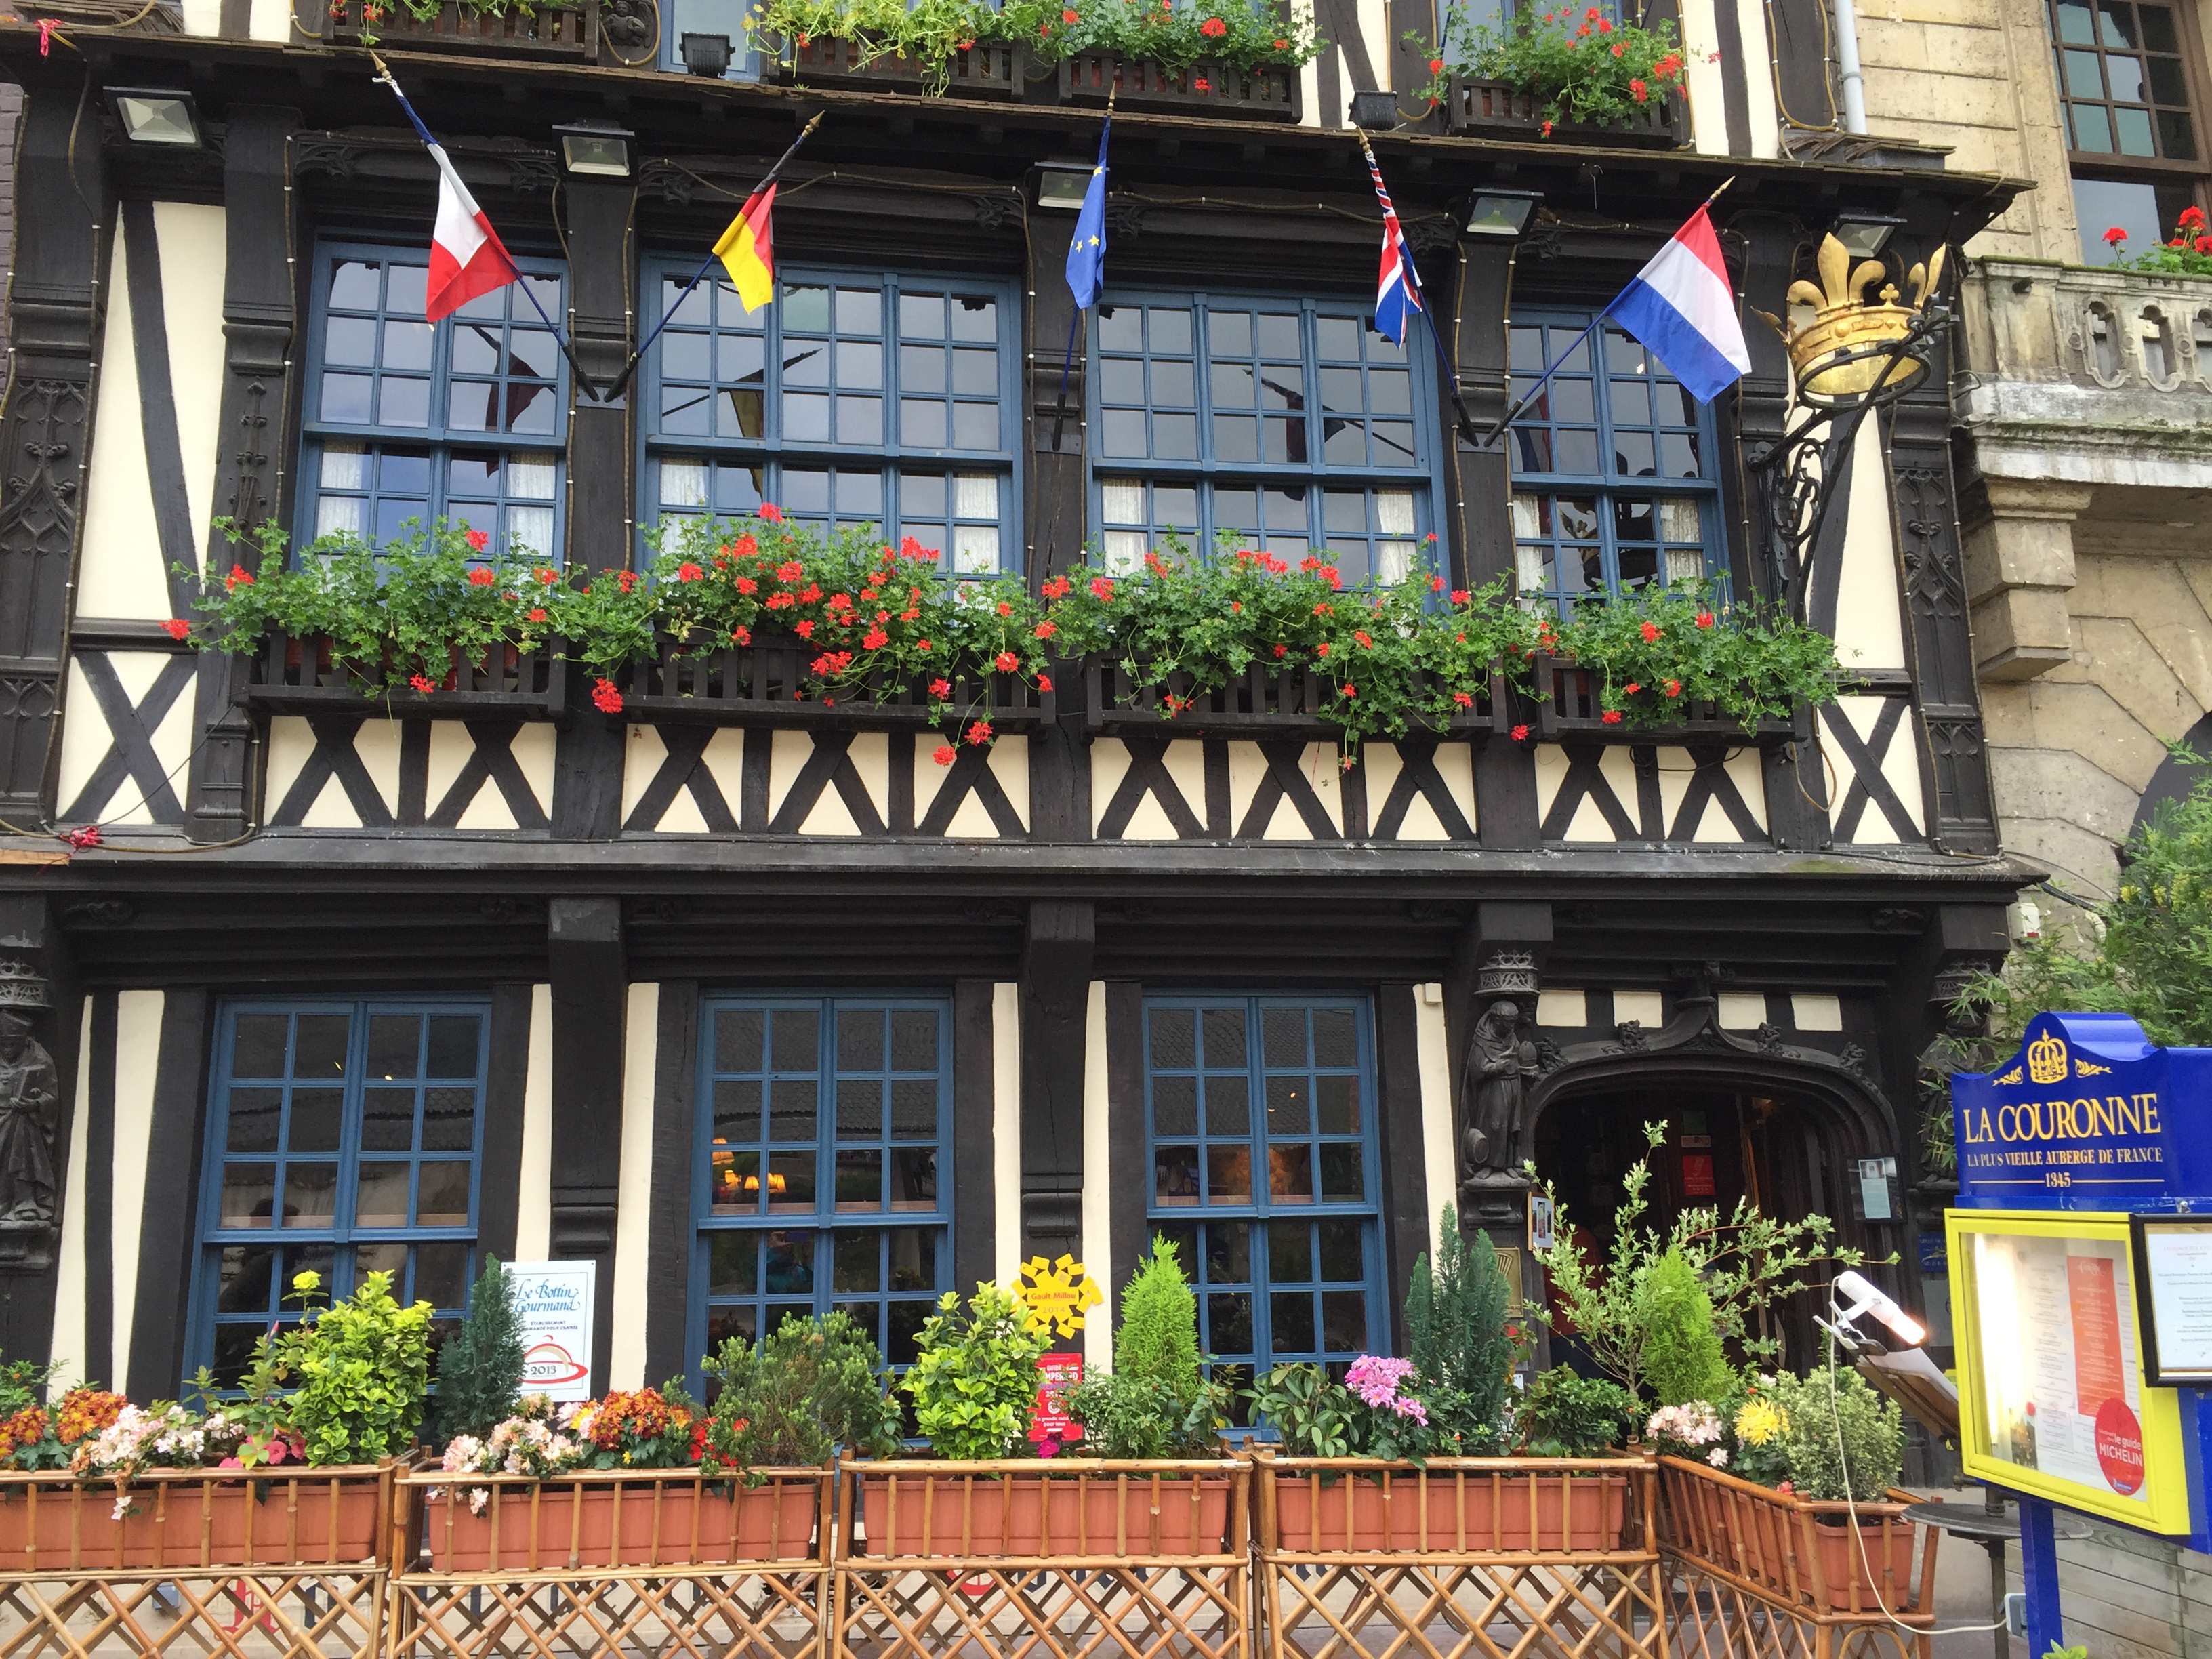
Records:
x=855, y=398
x=466, y=418
x=821, y=1123
x=1616, y=480
x=342, y=1137
x=1259, y=1124
x=1283, y=423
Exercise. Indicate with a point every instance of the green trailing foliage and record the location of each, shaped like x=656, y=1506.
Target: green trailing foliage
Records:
x=1684, y=1359
x=1585, y=67
x=480, y=1367
x=974, y=1381
x=1455, y=1327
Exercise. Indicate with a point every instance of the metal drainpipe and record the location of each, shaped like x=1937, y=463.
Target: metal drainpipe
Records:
x=1847, y=65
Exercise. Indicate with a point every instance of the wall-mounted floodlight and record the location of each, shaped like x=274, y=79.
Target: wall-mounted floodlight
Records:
x=1502, y=214
x=155, y=115
x=595, y=149
x=1865, y=234
x=1374, y=111
x=707, y=54
x=1063, y=185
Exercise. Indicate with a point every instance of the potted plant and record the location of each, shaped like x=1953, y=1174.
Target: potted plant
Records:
x=1570, y=69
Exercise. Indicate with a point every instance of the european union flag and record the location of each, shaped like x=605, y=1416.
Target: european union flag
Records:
x=1087, y=253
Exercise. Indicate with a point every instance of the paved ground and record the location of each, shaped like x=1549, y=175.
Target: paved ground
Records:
x=1962, y=1591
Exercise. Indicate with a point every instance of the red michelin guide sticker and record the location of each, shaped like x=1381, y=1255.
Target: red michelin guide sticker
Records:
x=2119, y=1447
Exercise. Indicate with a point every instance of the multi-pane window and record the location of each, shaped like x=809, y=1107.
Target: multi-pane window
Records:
x=876, y=399
x=464, y=418
x=1260, y=1118
x=1614, y=481
x=342, y=1137
x=2124, y=80
x=821, y=1123
x=1288, y=424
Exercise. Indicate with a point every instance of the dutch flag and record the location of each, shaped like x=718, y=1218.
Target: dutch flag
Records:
x=1398, y=289
x=1680, y=305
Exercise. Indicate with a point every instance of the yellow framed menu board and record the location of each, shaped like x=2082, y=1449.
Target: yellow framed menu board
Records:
x=2053, y=1397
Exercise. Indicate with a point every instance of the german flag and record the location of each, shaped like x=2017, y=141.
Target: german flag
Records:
x=747, y=250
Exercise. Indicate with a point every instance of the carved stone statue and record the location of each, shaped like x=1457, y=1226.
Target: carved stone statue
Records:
x=1492, y=1083
x=30, y=1111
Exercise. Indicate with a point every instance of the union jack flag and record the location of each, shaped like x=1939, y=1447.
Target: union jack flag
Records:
x=1398, y=289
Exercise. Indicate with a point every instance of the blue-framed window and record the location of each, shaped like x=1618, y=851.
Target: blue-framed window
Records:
x=822, y=1122
x=874, y=397
x=464, y=418
x=342, y=1137
x=1288, y=424
x=1259, y=1123
x=1616, y=468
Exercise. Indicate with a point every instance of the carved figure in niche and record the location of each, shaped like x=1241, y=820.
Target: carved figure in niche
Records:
x=1493, y=1086
x=30, y=1107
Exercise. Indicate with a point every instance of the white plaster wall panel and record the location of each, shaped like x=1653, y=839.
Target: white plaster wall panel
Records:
x=642, y=759
x=1676, y=770
x=119, y=570
x=291, y=744
x=1098, y=1193
x=724, y=758
x=1455, y=766
x=533, y=1218
x=87, y=736
x=1551, y=774
x=138, y=1060
x=449, y=749
x=533, y=750
x=1758, y=77
x=1815, y=1012
x=377, y=743
x=1380, y=764
x=1439, y=1168
x=1248, y=771
x=194, y=250
x=1005, y=1131
x=65, y=1341
x=203, y=17
x=1110, y=764
x=634, y=1186
x=1184, y=763
x=1746, y=767
x=1010, y=769
x=1566, y=1010
x=1870, y=631
x=1899, y=767
x=1645, y=1008
x=1301, y=13
x=1704, y=80
x=271, y=20
x=1743, y=1011
x=788, y=752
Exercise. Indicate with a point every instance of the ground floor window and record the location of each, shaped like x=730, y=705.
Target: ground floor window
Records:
x=820, y=1120
x=344, y=1136
x=1259, y=1122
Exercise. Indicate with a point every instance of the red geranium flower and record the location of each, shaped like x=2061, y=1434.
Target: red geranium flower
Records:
x=1213, y=29
x=770, y=513
x=2115, y=236
x=481, y=576
x=1650, y=633
x=1519, y=734
x=921, y=644
x=1610, y=717
x=689, y=572
x=479, y=540
x=538, y=616
x=626, y=580
x=804, y=629
x=607, y=699
x=1674, y=688
x=1462, y=700
x=1282, y=650
x=1631, y=687
x=1201, y=84
x=1436, y=66
x=1460, y=596
x=547, y=578
x=1705, y=619
x=1102, y=589
x=423, y=683
x=790, y=570
x=940, y=688
x=980, y=733
x=2204, y=245
x=177, y=628
x=1044, y=682
x=2191, y=215
x=240, y=577
x=946, y=754
x=1070, y=16
x=874, y=640
x=1006, y=662
x=1045, y=630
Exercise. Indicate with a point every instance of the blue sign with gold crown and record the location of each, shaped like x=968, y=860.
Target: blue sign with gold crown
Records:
x=2088, y=1115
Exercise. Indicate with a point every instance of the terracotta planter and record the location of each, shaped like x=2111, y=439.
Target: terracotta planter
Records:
x=1572, y=1511
x=530, y=1526
x=328, y=1517
x=1795, y=1549
x=1888, y=1551
x=976, y=1510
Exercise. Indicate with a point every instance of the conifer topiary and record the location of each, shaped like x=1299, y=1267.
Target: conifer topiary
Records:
x=1456, y=1332
x=1158, y=1338
x=480, y=1367
x=1683, y=1359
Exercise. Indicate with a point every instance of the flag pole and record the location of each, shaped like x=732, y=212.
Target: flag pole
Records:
x=1522, y=407
x=767, y=179
x=559, y=338
x=1075, y=317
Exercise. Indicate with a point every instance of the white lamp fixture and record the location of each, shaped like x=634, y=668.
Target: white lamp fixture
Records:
x=1867, y=1298
x=594, y=149
x=155, y=115
x=1063, y=185
x=1500, y=214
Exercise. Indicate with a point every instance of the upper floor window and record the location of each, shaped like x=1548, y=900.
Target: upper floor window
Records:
x=878, y=398
x=465, y=419
x=1616, y=483
x=818, y=1186
x=1260, y=1118
x=2125, y=81
x=342, y=1137
x=1288, y=424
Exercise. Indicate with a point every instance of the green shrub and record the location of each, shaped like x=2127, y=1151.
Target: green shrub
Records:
x=358, y=1372
x=1158, y=1338
x=480, y=1367
x=1871, y=1443
x=974, y=1380
x=1125, y=1414
x=1455, y=1332
x=1683, y=1359
x=1563, y=1415
x=809, y=1387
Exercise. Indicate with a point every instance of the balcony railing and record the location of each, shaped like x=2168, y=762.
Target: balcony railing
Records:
x=566, y=31
x=771, y=680
x=1491, y=109
x=1570, y=705
x=305, y=676
x=1257, y=704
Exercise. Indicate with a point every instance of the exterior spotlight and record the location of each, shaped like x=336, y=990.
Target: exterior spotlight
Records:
x=155, y=115
x=1062, y=184
x=1374, y=110
x=707, y=54
x=1866, y=1298
x=1501, y=215
x=1865, y=234
x=595, y=149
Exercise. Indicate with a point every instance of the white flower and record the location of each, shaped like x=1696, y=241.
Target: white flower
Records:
x=1717, y=1457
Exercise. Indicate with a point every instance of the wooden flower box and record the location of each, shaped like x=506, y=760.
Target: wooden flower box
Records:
x=1270, y=93
x=1258, y=704
x=302, y=676
x=1570, y=704
x=988, y=69
x=185, y=1519
x=720, y=683
x=567, y=29
x=1073, y=1508
x=656, y=1518
x=1796, y=1552
x=1493, y=109
x=1539, y=1505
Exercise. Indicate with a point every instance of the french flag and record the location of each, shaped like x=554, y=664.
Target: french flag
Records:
x=1680, y=305
x=466, y=256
